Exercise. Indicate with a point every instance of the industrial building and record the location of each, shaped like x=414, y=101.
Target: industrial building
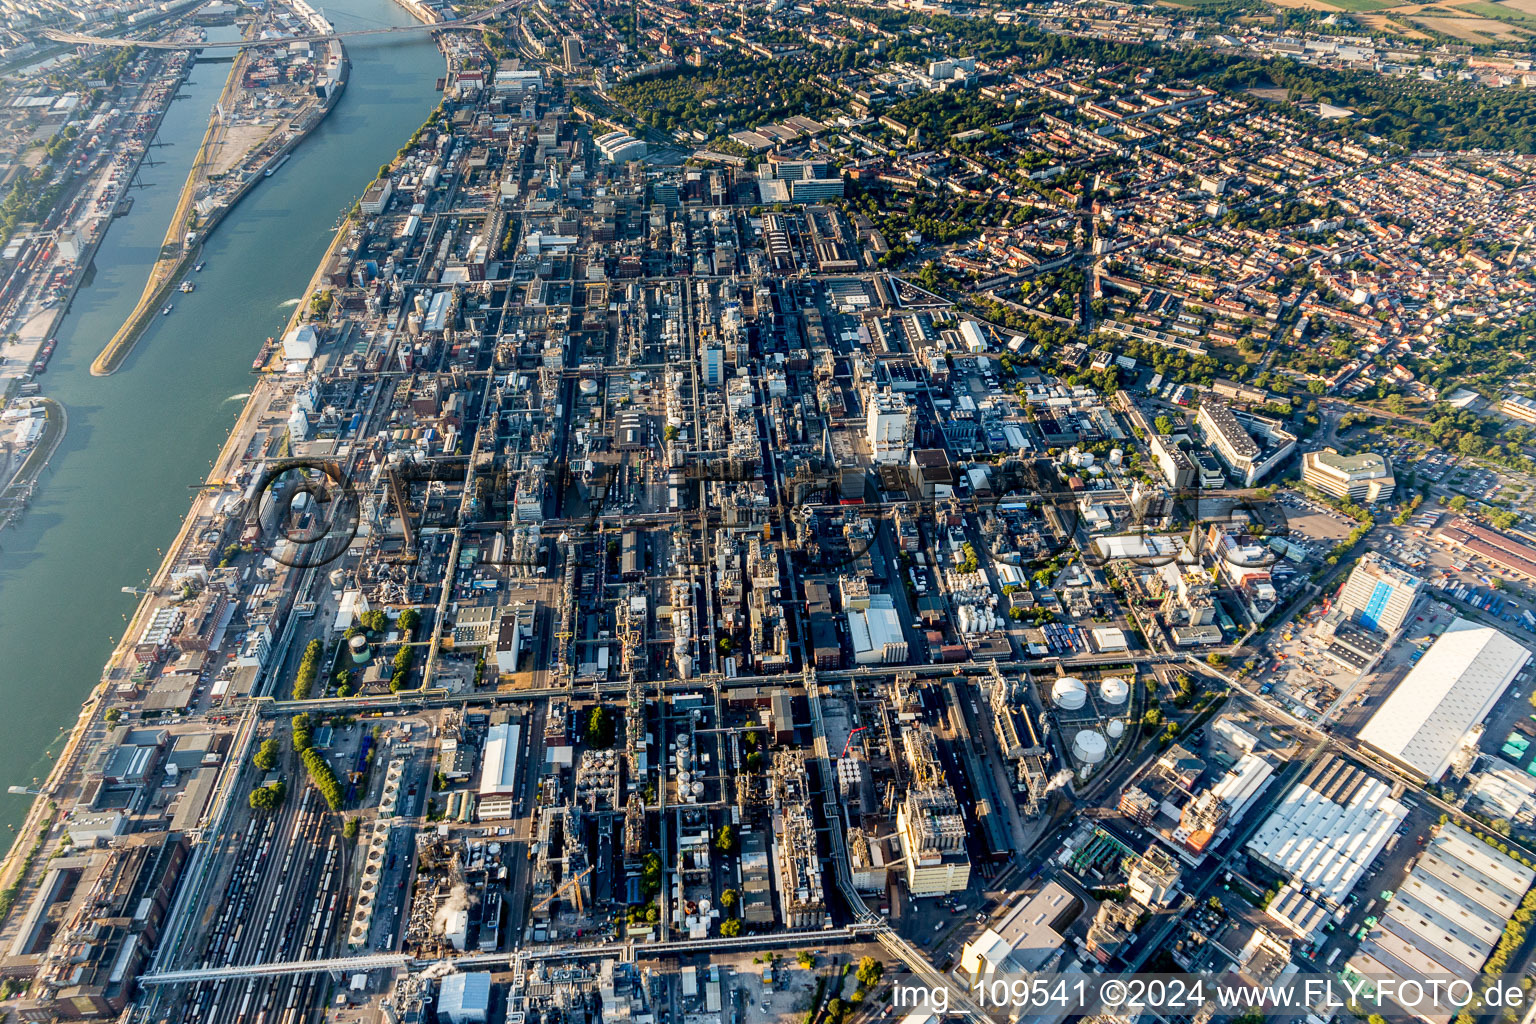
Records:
x=802, y=899
x=1326, y=831
x=1512, y=554
x=875, y=632
x=465, y=998
x=1448, y=915
x=1365, y=477
x=933, y=837
x=498, y=770
x=1427, y=718
x=1024, y=940
x=889, y=426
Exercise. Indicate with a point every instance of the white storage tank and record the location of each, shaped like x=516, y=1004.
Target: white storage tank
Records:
x=1115, y=455
x=1069, y=693
x=1116, y=729
x=1114, y=691
x=1089, y=746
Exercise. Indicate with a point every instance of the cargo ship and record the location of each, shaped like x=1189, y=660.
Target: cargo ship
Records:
x=262, y=356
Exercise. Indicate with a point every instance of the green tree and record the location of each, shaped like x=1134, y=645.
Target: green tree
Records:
x=729, y=898
x=350, y=829
x=268, y=797
x=409, y=619
x=324, y=778
x=650, y=875
x=869, y=972
x=266, y=755
x=309, y=665
x=805, y=958
x=600, y=727
x=303, y=735
x=730, y=928
x=725, y=839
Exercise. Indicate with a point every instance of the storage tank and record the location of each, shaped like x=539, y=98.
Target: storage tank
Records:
x=1115, y=455
x=1116, y=729
x=1114, y=691
x=359, y=648
x=1069, y=693
x=1089, y=746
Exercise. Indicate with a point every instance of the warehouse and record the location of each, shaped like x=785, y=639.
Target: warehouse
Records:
x=498, y=773
x=1328, y=829
x=1448, y=915
x=1423, y=722
x=876, y=633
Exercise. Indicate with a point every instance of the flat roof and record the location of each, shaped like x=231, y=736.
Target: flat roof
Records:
x=1365, y=466
x=499, y=769
x=1328, y=828
x=1452, y=688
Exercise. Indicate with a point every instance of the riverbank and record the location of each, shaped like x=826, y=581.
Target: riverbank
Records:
x=178, y=256
x=35, y=324
x=15, y=494
x=72, y=554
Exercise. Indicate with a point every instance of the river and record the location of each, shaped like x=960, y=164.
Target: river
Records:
x=141, y=439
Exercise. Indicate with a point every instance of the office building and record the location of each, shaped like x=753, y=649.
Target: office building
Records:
x=1250, y=446
x=1366, y=477
x=816, y=190
x=619, y=147
x=1379, y=594
x=1176, y=466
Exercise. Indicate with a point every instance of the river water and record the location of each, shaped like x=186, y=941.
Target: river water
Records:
x=141, y=439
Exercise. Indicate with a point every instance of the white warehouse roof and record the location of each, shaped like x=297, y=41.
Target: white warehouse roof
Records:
x=1328, y=829
x=1450, y=690
x=499, y=768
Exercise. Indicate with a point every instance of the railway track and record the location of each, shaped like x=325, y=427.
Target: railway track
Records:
x=283, y=901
